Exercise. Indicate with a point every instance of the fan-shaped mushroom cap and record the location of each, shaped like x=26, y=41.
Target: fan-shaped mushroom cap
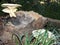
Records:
x=7, y=10
x=10, y=5
x=10, y=8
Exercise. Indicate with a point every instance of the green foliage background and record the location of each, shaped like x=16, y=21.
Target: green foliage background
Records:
x=49, y=9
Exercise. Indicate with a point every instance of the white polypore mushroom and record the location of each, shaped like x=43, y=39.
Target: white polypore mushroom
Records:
x=10, y=8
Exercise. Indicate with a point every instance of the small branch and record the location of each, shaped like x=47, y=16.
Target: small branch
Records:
x=54, y=22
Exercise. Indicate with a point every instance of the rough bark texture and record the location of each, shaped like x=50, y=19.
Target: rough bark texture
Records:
x=24, y=22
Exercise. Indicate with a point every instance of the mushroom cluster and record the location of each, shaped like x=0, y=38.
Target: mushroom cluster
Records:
x=10, y=8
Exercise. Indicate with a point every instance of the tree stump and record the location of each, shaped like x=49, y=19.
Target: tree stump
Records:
x=26, y=21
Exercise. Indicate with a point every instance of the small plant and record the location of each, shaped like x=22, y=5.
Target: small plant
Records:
x=41, y=39
x=44, y=37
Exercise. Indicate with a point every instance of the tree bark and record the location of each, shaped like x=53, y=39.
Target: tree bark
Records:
x=24, y=22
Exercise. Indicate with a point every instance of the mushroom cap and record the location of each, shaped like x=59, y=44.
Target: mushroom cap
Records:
x=10, y=5
x=6, y=10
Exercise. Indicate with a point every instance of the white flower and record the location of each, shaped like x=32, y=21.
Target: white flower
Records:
x=42, y=2
x=36, y=33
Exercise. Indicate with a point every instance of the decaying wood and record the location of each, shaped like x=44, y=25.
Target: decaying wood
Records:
x=24, y=22
x=54, y=22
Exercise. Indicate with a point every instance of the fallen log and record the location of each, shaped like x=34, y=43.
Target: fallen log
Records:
x=26, y=21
